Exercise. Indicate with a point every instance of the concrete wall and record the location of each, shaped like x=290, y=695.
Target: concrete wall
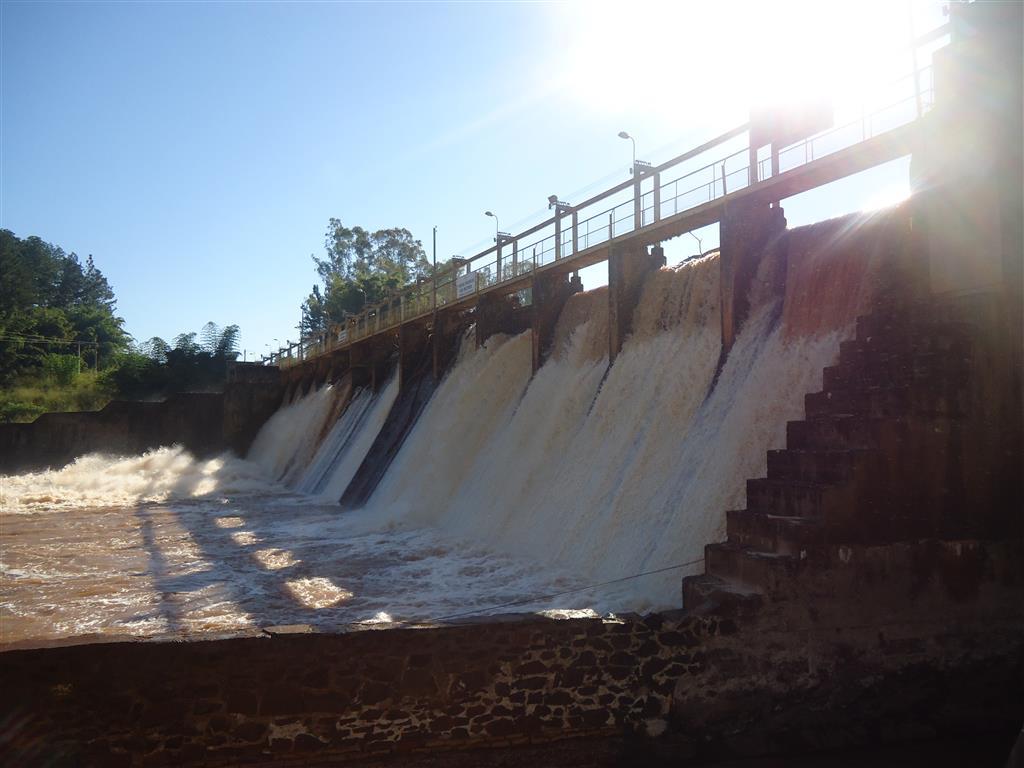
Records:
x=912, y=641
x=129, y=428
x=203, y=423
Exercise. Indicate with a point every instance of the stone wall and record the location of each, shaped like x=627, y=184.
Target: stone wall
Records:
x=909, y=646
x=204, y=423
x=251, y=395
x=129, y=428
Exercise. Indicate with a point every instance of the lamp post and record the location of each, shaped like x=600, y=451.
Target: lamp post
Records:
x=624, y=135
x=496, y=227
x=499, y=238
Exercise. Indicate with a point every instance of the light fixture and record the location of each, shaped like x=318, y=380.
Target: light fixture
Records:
x=624, y=135
x=495, y=217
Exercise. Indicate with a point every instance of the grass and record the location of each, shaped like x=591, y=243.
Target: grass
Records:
x=27, y=398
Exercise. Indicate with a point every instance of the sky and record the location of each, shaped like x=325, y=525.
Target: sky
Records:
x=197, y=150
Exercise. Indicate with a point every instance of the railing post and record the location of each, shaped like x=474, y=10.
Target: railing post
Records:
x=558, y=234
x=657, y=197
x=611, y=224
x=575, y=233
x=637, y=201
x=515, y=258
x=497, y=261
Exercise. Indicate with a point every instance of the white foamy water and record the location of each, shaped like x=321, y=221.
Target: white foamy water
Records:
x=347, y=444
x=605, y=479
x=160, y=475
x=286, y=443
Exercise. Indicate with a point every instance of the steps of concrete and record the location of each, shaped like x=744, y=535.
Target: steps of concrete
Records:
x=824, y=466
x=854, y=352
x=892, y=401
x=849, y=471
x=918, y=370
x=836, y=432
x=924, y=325
x=789, y=498
x=758, y=571
x=772, y=533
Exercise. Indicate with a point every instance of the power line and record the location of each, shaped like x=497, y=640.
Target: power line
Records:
x=36, y=339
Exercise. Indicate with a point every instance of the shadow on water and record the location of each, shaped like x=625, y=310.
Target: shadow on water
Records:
x=225, y=562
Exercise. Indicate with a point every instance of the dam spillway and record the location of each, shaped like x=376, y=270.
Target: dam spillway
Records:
x=508, y=486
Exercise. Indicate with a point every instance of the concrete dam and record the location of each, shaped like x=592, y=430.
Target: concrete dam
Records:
x=765, y=501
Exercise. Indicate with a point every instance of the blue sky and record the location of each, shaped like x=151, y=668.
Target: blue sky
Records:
x=197, y=150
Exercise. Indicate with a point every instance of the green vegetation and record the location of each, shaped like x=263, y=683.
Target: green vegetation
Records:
x=156, y=367
x=62, y=347
x=361, y=268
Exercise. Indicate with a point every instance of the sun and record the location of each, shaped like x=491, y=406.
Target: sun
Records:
x=688, y=59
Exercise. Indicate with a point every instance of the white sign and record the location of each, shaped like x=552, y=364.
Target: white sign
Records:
x=342, y=336
x=465, y=285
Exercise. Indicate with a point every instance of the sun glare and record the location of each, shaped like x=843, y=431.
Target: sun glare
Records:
x=887, y=197
x=692, y=61
x=317, y=592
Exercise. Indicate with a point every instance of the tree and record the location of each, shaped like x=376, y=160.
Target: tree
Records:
x=49, y=301
x=360, y=268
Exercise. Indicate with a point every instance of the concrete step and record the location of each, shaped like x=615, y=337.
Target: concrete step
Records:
x=759, y=571
x=827, y=467
x=792, y=498
x=887, y=330
x=929, y=398
x=855, y=352
x=917, y=369
x=773, y=533
x=839, y=432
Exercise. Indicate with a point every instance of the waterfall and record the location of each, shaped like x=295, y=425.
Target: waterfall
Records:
x=287, y=442
x=606, y=472
x=347, y=443
x=315, y=443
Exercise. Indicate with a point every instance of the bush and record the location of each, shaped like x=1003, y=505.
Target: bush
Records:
x=61, y=369
x=16, y=410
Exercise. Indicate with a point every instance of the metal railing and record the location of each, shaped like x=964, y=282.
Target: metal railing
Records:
x=626, y=208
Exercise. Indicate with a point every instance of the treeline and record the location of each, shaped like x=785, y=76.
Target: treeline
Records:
x=63, y=347
x=52, y=304
x=188, y=363
x=360, y=268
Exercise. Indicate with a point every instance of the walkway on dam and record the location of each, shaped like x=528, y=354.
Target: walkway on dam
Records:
x=658, y=203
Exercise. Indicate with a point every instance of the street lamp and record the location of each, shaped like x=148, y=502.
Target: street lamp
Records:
x=496, y=228
x=624, y=135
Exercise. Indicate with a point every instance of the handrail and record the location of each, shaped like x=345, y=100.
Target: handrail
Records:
x=512, y=259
